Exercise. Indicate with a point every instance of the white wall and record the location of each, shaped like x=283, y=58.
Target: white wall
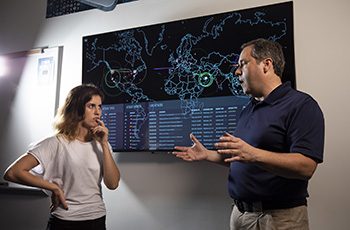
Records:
x=158, y=191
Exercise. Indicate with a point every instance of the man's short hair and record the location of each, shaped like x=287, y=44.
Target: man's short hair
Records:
x=263, y=48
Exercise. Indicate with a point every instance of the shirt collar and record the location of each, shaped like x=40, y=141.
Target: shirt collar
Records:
x=277, y=93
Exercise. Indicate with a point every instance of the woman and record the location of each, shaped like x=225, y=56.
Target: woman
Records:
x=73, y=161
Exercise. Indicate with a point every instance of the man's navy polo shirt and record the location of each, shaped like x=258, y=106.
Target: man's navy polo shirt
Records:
x=287, y=121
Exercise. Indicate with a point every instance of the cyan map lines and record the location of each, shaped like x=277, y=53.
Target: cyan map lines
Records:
x=183, y=60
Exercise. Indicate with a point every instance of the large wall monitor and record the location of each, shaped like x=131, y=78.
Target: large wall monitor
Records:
x=164, y=81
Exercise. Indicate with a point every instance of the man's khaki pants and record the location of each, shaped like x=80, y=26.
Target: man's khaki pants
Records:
x=277, y=219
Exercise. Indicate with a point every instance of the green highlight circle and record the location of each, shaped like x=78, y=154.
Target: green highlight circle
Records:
x=106, y=81
x=206, y=74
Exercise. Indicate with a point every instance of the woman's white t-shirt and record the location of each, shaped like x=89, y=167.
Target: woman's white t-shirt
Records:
x=76, y=167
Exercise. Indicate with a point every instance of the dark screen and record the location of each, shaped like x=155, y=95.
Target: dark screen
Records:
x=164, y=81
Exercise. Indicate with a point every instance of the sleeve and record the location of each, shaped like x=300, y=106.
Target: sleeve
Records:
x=44, y=151
x=306, y=129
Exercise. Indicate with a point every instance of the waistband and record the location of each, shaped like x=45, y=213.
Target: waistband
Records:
x=260, y=206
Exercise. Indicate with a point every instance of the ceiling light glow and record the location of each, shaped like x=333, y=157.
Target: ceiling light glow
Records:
x=3, y=66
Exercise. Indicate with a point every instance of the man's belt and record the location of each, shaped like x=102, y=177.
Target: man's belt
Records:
x=260, y=206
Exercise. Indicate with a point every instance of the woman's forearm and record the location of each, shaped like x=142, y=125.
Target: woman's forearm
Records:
x=111, y=174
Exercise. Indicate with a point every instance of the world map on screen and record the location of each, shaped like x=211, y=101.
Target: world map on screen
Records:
x=185, y=60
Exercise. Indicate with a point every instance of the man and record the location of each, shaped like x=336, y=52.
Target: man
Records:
x=275, y=149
